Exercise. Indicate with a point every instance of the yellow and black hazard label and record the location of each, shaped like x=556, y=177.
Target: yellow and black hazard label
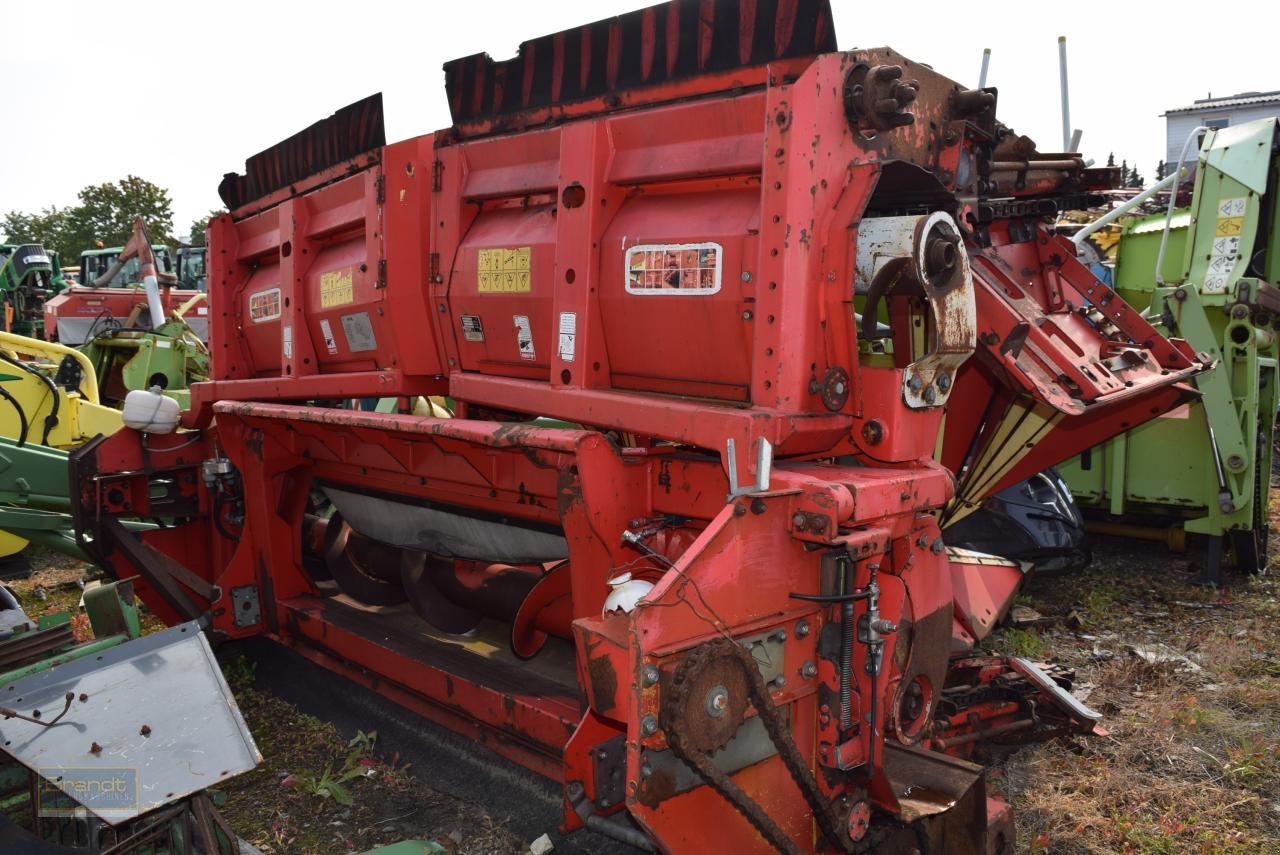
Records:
x=504, y=270
x=336, y=288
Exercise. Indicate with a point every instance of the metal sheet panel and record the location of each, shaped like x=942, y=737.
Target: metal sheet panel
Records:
x=154, y=713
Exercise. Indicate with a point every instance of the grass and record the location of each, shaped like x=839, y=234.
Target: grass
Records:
x=315, y=792
x=1191, y=763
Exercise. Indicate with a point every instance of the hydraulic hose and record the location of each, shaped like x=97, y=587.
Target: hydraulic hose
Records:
x=51, y=420
x=22, y=416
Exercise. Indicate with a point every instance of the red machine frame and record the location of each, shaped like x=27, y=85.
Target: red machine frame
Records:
x=775, y=482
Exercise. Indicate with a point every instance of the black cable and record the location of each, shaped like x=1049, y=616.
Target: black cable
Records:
x=51, y=420
x=832, y=598
x=22, y=416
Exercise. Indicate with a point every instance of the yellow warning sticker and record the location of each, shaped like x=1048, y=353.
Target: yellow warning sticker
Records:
x=336, y=288
x=1229, y=226
x=504, y=270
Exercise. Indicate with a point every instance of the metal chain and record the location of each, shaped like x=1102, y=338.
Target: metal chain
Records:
x=779, y=733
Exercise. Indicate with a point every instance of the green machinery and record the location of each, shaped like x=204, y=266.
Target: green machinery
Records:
x=96, y=262
x=1203, y=273
x=29, y=275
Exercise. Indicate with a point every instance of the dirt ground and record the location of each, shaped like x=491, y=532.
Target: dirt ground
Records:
x=1187, y=677
x=1188, y=681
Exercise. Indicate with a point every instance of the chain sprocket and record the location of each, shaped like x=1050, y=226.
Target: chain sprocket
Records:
x=694, y=732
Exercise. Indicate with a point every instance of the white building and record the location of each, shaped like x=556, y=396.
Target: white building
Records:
x=1214, y=113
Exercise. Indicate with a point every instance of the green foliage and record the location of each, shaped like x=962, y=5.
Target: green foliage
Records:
x=105, y=213
x=198, y=226
x=1020, y=642
x=331, y=784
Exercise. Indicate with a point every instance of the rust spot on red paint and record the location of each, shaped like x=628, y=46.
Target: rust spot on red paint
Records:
x=604, y=683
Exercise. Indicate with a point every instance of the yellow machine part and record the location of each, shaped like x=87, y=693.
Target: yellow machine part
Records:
x=80, y=415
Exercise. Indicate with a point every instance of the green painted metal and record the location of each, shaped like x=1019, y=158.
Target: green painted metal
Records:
x=1205, y=466
x=35, y=497
x=29, y=275
x=170, y=357
x=89, y=648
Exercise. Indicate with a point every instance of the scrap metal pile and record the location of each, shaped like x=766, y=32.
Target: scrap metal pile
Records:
x=698, y=332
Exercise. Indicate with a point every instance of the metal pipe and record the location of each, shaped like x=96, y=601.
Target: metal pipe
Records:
x=1120, y=210
x=986, y=61
x=1075, y=140
x=1174, y=537
x=630, y=836
x=1063, y=164
x=1066, y=102
x=1008, y=727
x=1173, y=197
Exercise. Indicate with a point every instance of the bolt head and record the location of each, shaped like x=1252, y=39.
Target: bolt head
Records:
x=649, y=725
x=651, y=675
x=802, y=629
x=937, y=545
x=717, y=701
x=808, y=670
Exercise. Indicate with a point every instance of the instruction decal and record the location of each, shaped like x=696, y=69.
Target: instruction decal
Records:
x=330, y=343
x=472, y=328
x=504, y=270
x=681, y=269
x=1226, y=244
x=524, y=337
x=264, y=305
x=359, y=332
x=286, y=340
x=336, y=288
x=568, y=332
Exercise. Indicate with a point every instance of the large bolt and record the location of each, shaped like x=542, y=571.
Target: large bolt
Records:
x=649, y=725
x=651, y=675
x=802, y=629
x=717, y=701
x=937, y=546
x=944, y=381
x=808, y=670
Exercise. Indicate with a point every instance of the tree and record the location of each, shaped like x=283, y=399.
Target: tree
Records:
x=46, y=227
x=198, y=226
x=1160, y=170
x=105, y=214
x=1135, y=178
x=1111, y=159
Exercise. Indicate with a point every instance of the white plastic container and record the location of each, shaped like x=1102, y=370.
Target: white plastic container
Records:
x=150, y=411
x=626, y=593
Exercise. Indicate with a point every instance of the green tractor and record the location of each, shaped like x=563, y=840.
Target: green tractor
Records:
x=29, y=275
x=1203, y=273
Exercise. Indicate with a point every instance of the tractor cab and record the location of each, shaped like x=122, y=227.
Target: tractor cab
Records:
x=95, y=262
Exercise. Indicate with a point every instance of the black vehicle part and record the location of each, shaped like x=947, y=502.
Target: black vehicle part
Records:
x=1034, y=521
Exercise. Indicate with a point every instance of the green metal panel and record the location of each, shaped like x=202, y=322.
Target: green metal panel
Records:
x=1211, y=297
